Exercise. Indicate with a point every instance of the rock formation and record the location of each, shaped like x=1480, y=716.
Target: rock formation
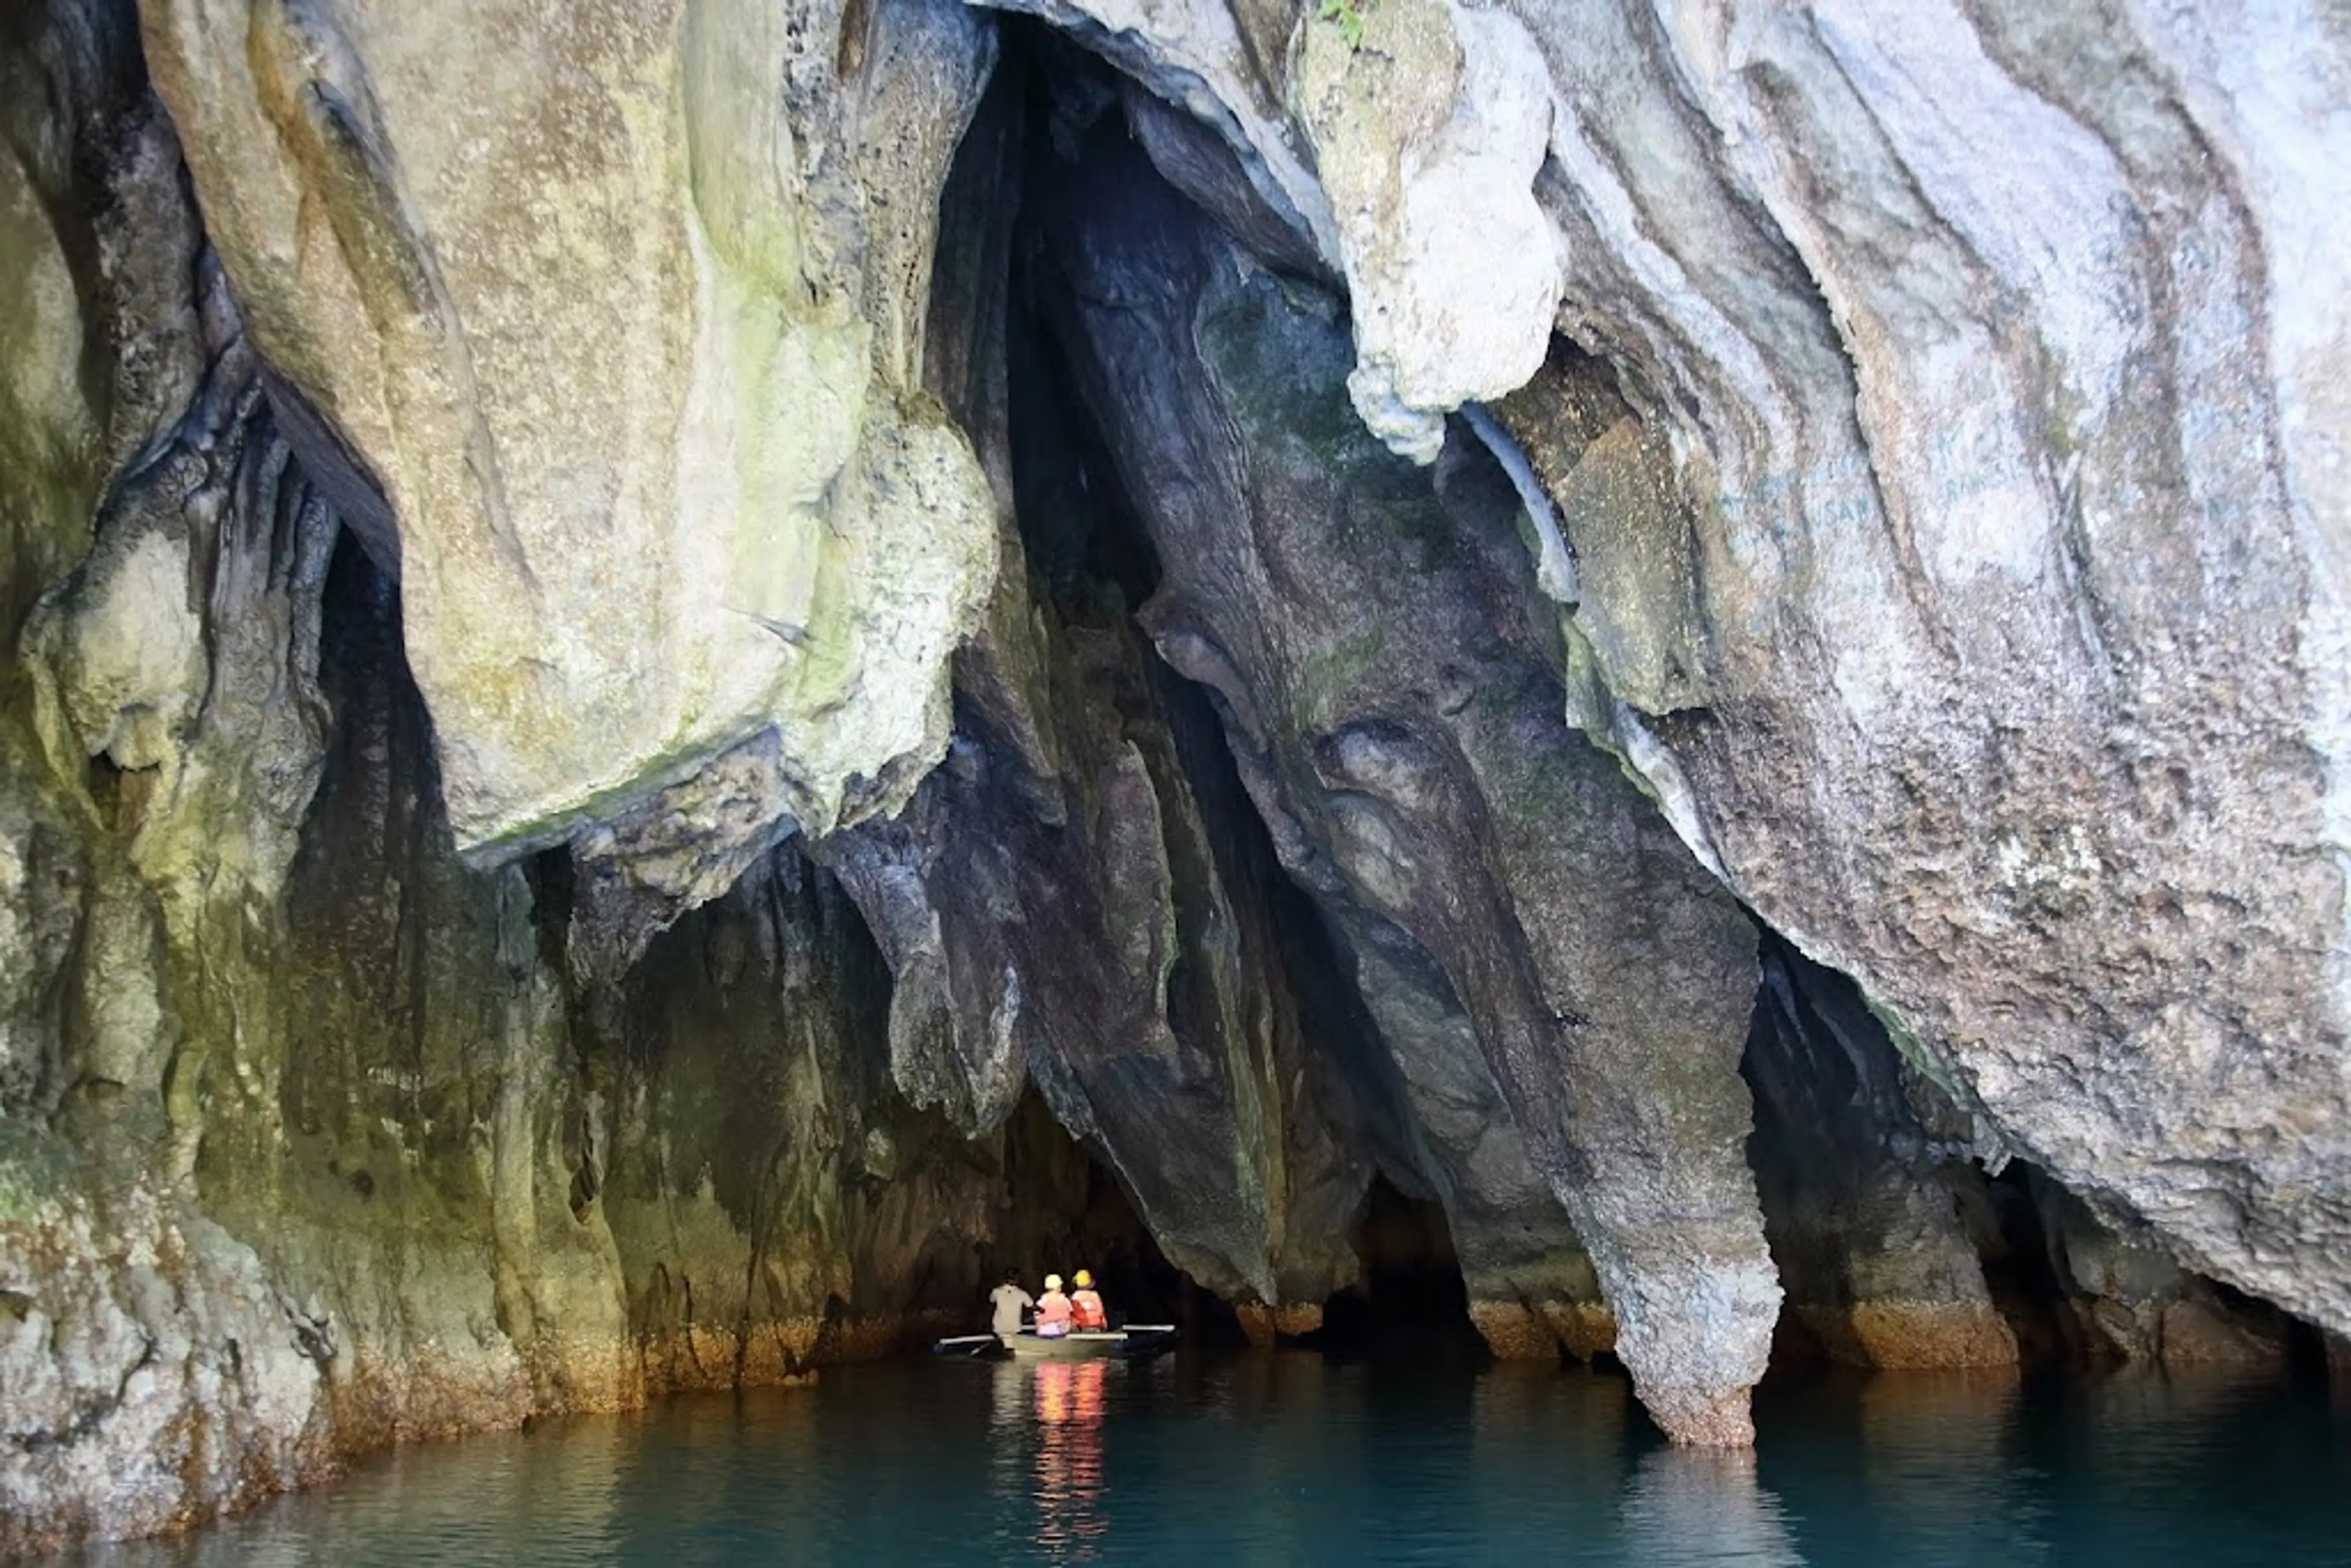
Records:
x=2004, y=464
x=1383, y=694
x=618, y=373
x=680, y=673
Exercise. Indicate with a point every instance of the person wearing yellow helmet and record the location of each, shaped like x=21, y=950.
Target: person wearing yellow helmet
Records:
x=1086, y=1311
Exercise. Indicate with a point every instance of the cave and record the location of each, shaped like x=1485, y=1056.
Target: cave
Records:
x=669, y=702
x=1411, y=1303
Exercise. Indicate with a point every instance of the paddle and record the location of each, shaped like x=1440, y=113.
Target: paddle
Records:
x=962, y=1344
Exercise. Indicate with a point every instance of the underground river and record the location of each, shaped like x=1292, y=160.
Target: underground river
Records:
x=1291, y=1458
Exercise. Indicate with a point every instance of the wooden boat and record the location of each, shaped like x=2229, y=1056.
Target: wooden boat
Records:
x=1137, y=1342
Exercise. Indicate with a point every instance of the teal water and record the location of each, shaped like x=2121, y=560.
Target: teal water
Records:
x=1291, y=1460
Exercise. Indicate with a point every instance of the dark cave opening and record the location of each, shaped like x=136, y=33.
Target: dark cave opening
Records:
x=1062, y=118
x=354, y=892
x=1068, y=1211
x=725, y=1017
x=1089, y=556
x=2008, y=1225
x=1871, y=1184
x=1857, y=1158
x=1050, y=110
x=1413, y=1304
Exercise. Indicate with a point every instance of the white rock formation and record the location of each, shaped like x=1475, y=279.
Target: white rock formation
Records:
x=1988, y=347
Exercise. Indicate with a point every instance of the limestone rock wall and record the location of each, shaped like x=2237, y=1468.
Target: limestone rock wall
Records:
x=605, y=329
x=1938, y=450
x=351, y=1162
x=1404, y=553
x=306, y=1125
x=2043, y=585
x=1384, y=695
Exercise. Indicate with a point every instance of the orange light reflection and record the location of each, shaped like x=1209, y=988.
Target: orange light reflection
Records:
x=1070, y=1399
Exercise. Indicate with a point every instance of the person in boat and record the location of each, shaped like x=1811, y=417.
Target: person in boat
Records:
x=1052, y=1310
x=1086, y=1312
x=1009, y=1304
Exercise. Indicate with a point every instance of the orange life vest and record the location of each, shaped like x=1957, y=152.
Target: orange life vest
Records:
x=1086, y=1311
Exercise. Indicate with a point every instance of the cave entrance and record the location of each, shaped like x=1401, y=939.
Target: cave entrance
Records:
x=1067, y=1210
x=1412, y=1303
x=2007, y=1227
x=1052, y=113
x=1050, y=108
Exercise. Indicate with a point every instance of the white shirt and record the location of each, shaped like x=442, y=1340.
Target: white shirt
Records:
x=1009, y=1300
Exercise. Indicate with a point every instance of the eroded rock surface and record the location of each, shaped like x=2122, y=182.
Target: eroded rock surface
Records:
x=306, y=1125
x=1948, y=512
x=605, y=324
x=2009, y=487
x=1386, y=693
x=1108, y=961
x=1092, y=918
x=298, y=1172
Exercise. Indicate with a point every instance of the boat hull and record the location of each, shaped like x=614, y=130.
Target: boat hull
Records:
x=1116, y=1344
x=1068, y=1346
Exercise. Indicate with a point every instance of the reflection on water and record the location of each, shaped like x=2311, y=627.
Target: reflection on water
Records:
x=1070, y=1523
x=1686, y=1505
x=1287, y=1458
x=1934, y=1447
